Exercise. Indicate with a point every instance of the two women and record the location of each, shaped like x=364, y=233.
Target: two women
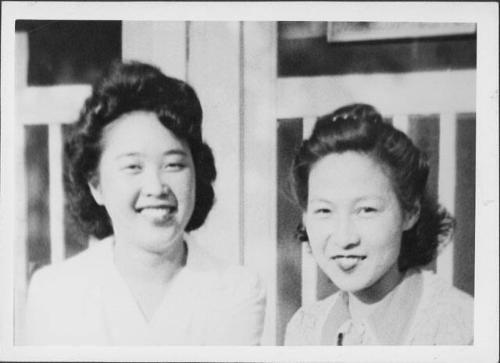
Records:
x=371, y=226
x=140, y=178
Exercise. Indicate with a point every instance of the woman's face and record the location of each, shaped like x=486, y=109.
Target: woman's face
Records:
x=355, y=223
x=146, y=182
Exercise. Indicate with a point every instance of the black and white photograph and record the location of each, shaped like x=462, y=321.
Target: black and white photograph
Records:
x=249, y=182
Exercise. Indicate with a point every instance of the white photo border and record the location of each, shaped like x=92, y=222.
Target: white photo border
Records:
x=484, y=14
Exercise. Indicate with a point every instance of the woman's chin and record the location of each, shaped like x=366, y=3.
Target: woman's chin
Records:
x=351, y=286
x=349, y=282
x=370, y=285
x=154, y=240
x=160, y=247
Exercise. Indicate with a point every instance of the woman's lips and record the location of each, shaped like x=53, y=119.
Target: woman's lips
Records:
x=348, y=262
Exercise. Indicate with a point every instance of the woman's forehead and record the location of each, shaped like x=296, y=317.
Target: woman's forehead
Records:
x=139, y=131
x=349, y=174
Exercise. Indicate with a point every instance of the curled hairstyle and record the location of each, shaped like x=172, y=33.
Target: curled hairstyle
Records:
x=360, y=128
x=129, y=87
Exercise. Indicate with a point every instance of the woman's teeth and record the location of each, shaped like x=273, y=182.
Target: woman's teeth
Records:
x=156, y=212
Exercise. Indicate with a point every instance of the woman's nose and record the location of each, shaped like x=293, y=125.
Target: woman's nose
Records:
x=344, y=233
x=153, y=183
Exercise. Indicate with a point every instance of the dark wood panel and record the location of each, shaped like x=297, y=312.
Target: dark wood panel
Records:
x=75, y=239
x=465, y=213
x=37, y=191
x=424, y=131
x=289, y=215
x=70, y=51
x=315, y=56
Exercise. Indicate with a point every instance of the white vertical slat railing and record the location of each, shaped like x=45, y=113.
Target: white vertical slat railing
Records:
x=309, y=268
x=446, y=185
x=20, y=250
x=259, y=74
x=56, y=194
x=214, y=71
x=401, y=122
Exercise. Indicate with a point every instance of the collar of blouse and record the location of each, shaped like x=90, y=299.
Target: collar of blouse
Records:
x=388, y=324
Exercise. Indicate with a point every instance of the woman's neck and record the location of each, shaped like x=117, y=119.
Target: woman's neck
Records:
x=138, y=264
x=363, y=303
x=360, y=310
x=147, y=274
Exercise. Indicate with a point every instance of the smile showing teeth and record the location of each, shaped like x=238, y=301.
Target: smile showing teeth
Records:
x=157, y=213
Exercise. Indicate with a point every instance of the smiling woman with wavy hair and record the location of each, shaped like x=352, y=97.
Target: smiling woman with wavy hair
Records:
x=139, y=177
x=372, y=227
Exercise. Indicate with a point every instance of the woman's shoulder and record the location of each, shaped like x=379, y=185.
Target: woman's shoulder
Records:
x=68, y=273
x=307, y=323
x=222, y=276
x=318, y=309
x=441, y=294
x=446, y=313
x=233, y=297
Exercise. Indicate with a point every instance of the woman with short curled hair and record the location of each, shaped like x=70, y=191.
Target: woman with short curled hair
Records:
x=372, y=226
x=139, y=176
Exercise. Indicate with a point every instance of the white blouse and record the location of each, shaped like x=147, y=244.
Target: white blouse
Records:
x=85, y=301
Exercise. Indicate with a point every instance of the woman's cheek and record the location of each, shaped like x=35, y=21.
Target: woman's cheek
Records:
x=318, y=234
x=183, y=184
x=385, y=240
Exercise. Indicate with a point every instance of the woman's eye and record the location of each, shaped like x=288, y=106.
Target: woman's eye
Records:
x=367, y=211
x=133, y=168
x=174, y=166
x=321, y=211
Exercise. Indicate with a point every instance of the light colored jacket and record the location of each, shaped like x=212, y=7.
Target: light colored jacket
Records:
x=85, y=301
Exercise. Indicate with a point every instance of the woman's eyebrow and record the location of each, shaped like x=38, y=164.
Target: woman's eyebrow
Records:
x=166, y=153
x=127, y=154
x=319, y=200
x=175, y=152
x=370, y=197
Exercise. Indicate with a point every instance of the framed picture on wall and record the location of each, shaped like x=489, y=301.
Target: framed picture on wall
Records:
x=366, y=30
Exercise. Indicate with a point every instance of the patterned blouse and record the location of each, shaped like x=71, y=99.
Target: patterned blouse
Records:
x=421, y=310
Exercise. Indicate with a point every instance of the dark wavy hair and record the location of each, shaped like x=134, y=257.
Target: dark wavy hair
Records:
x=128, y=87
x=360, y=128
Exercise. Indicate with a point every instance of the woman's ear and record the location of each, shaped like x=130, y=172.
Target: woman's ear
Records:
x=95, y=189
x=412, y=217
